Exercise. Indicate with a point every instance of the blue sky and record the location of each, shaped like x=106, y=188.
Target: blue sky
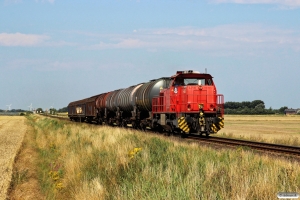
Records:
x=53, y=52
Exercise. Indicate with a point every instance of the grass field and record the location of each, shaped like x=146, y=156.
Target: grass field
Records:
x=2, y=114
x=65, y=114
x=12, y=130
x=278, y=129
x=82, y=161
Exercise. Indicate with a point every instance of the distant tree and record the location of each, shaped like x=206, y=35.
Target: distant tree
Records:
x=256, y=102
x=52, y=111
x=246, y=104
x=246, y=110
x=270, y=111
x=29, y=112
x=261, y=105
x=281, y=110
x=232, y=105
x=64, y=109
x=256, y=107
x=259, y=110
x=18, y=110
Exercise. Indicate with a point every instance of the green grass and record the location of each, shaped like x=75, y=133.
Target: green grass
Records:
x=80, y=161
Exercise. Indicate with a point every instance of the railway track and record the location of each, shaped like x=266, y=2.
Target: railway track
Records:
x=260, y=146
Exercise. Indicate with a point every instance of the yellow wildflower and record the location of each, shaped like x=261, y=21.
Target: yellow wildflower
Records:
x=59, y=185
x=132, y=153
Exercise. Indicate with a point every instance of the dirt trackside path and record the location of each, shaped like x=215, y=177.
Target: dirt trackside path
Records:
x=12, y=131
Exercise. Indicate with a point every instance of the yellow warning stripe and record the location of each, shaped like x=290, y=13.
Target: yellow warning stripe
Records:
x=182, y=124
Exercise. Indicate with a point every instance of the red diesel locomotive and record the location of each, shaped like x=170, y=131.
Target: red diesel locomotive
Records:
x=186, y=103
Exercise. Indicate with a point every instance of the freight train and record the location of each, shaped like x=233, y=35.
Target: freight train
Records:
x=185, y=103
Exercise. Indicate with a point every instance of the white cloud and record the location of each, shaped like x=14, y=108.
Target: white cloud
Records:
x=50, y=1
x=289, y=3
x=19, y=39
x=126, y=43
x=227, y=38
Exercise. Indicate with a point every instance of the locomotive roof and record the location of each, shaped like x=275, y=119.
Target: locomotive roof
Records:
x=192, y=75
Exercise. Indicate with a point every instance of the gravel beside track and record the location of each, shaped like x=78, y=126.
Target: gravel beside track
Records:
x=12, y=131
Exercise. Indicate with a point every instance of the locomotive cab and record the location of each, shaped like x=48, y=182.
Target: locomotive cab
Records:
x=191, y=91
x=191, y=104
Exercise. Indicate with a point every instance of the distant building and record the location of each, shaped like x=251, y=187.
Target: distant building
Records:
x=291, y=111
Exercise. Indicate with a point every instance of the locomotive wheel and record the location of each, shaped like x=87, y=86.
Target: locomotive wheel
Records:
x=143, y=127
x=167, y=133
x=183, y=135
x=160, y=129
x=123, y=124
x=157, y=127
x=110, y=122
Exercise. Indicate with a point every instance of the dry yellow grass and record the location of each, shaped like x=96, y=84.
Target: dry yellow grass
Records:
x=12, y=130
x=93, y=162
x=270, y=128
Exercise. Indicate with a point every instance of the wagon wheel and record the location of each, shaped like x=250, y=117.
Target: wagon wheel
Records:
x=167, y=133
x=123, y=124
x=133, y=125
x=143, y=127
x=207, y=134
x=183, y=135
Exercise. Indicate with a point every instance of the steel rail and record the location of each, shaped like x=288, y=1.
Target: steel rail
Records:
x=278, y=148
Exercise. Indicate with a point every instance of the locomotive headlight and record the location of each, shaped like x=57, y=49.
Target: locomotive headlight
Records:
x=211, y=107
x=189, y=107
x=200, y=106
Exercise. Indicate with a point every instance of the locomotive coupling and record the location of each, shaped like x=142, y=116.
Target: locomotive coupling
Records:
x=201, y=118
x=182, y=124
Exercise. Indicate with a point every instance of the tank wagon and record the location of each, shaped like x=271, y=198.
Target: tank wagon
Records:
x=186, y=103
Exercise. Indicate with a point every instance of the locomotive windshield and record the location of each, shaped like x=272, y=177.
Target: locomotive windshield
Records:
x=193, y=81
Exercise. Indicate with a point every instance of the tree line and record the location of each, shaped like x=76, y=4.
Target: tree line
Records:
x=53, y=110
x=13, y=110
x=256, y=107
